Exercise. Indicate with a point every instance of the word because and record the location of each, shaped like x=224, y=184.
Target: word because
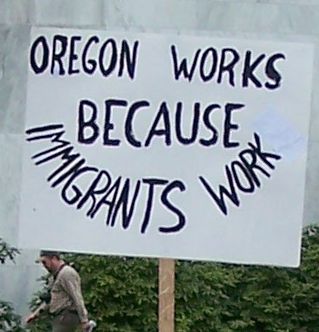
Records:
x=162, y=126
x=103, y=190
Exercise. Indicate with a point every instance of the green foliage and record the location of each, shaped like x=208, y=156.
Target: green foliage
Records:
x=121, y=294
x=219, y=297
x=7, y=252
x=9, y=321
x=44, y=323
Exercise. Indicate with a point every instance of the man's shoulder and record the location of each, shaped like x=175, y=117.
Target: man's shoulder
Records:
x=68, y=271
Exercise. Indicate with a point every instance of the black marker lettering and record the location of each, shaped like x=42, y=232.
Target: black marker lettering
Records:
x=150, y=197
x=249, y=159
x=123, y=201
x=108, y=200
x=203, y=63
x=164, y=198
x=42, y=44
x=129, y=59
x=89, y=65
x=179, y=124
x=237, y=167
x=96, y=188
x=219, y=198
x=77, y=193
x=206, y=119
x=228, y=126
x=247, y=166
x=264, y=156
x=108, y=125
x=73, y=55
x=58, y=53
x=229, y=67
x=166, y=131
x=182, y=67
x=86, y=124
x=129, y=132
x=106, y=70
x=249, y=68
x=272, y=73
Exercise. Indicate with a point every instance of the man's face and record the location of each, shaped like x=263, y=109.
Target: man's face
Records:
x=48, y=263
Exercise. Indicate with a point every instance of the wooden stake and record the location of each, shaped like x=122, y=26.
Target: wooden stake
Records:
x=166, y=295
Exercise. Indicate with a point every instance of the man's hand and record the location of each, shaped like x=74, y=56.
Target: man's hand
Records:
x=88, y=326
x=30, y=318
x=85, y=326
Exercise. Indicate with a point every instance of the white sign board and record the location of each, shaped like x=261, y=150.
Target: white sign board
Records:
x=165, y=145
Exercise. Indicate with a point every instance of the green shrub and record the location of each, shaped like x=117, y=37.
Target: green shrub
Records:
x=9, y=321
x=121, y=294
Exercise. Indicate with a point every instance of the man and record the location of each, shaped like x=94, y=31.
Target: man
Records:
x=65, y=303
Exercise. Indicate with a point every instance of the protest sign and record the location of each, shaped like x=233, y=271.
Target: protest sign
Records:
x=164, y=145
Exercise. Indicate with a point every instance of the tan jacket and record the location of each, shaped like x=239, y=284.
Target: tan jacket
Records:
x=66, y=293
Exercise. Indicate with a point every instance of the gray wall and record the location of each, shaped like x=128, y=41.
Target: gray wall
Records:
x=283, y=19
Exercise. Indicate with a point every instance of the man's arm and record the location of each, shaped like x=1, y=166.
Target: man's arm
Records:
x=35, y=314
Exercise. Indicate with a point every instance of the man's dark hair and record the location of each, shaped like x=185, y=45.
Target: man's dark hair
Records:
x=50, y=253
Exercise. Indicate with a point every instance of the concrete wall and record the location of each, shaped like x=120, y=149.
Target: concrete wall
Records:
x=284, y=19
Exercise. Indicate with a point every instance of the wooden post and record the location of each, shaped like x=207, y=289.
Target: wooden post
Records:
x=166, y=295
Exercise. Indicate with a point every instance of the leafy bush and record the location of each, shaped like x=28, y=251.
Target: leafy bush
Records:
x=44, y=322
x=9, y=321
x=121, y=294
x=7, y=253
